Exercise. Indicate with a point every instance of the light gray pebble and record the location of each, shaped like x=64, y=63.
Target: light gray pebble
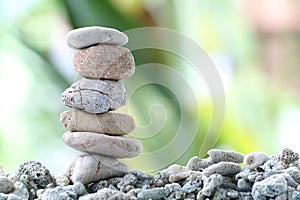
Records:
x=211, y=184
x=6, y=185
x=244, y=185
x=255, y=159
x=220, y=194
x=253, y=175
x=69, y=192
x=193, y=184
x=20, y=190
x=296, y=195
x=111, y=146
x=95, y=96
x=272, y=166
x=291, y=182
x=87, y=36
x=232, y=193
x=288, y=156
x=293, y=171
x=223, y=168
x=218, y=155
x=243, y=174
x=178, y=177
x=154, y=193
x=270, y=187
x=61, y=179
x=197, y=164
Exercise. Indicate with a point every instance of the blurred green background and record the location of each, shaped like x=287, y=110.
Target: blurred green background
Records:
x=254, y=45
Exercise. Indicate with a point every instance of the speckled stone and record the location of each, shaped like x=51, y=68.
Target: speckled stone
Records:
x=104, y=62
x=255, y=159
x=108, y=123
x=105, y=145
x=95, y=96
x=218, y=155
x=88, y=36
x=223, y=168
x=92, y=168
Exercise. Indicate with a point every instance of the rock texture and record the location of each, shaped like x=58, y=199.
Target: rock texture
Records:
x=105, y=145
x=95, y=96
x=89, y=36
x=100, y=177
x=92, y=168
x=104, y=61
x=108, y=123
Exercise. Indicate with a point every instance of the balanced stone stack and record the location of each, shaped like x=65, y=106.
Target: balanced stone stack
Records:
x=93, y=129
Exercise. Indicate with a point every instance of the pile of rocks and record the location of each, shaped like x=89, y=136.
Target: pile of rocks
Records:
x=222, y=175
x=102, y=63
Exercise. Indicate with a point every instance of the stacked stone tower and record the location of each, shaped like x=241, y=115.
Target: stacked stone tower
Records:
x=93, y=129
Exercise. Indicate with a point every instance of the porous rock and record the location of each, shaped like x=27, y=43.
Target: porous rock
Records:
x=270, y=187
x=197, y=164
x=223, y=168
x=95, y=96
x=70, y=192
x=92, y=168
x=108, y=123
x=105, y=194
x=36, y=172
x=288, y=156
x=105, y=145
x=6, y=185
x=218, y=155
x=154, y=193
x=61, y=179
x=88, y=36
x=255, y=159
x=104, y=62
x=211, y=184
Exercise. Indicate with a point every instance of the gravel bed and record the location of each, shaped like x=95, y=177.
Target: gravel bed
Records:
x=222, y=175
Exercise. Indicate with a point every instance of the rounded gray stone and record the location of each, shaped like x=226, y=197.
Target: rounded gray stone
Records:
x=108, y=123
x=93, y=35
x=6, y=185
x=218, y=155
x=105, y=145
x=104, y=62
x=95, y=96
x=92, y=168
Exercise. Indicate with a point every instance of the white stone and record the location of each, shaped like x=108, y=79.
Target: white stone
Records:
x=93, y=35
x=105, y=145
x=92, y=168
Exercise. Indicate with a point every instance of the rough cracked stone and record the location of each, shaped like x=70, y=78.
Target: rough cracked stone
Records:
x=88, y=36
x=270, y=187
x=92, y=168
x=104, y=62
x=36, y=173
x=105, y=145
x=95, y=96
x=105, y=194
x=108, y=123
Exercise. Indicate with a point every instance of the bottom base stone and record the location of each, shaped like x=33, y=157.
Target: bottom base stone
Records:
x=92, y=168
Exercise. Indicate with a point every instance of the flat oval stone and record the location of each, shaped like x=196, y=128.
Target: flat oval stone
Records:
x=108, y=123
x=104, y=61
x=93, y=168
x=105, y=145
x=95, y=96
x=93, y=35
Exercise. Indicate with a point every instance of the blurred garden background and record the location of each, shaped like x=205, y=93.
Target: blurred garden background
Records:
x=254, y=44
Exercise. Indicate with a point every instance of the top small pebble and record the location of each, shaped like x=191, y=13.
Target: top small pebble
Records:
x=88, y=36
